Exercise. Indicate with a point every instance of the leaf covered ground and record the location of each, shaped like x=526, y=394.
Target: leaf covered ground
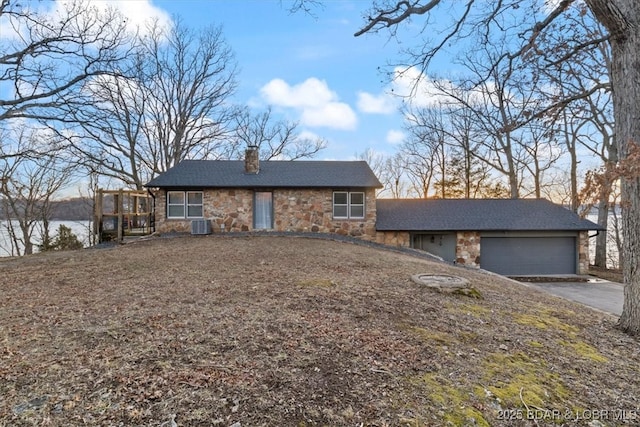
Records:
x=286, y=331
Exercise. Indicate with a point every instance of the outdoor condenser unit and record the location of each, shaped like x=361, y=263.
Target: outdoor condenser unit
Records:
x=200, y=226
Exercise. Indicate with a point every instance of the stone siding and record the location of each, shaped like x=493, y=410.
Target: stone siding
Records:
x=468, y=248
x=311, y=210
x=583, y=252
x=394, y=238
x=299, y=210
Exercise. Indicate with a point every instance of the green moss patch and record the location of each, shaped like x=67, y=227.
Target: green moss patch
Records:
x=544, y=320
x=470, y=292
x=455, y=405
x=435, y=337
x=475, y=310
x=583, y=349
x=519, y=382
x=320, y=283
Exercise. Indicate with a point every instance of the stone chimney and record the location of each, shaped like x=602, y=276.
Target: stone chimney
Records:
x=252, y=160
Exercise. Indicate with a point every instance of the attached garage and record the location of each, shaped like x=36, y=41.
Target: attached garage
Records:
x=514, y=237
x=529, y=255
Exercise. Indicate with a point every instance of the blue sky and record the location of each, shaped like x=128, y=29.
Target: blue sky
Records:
x=310, y=69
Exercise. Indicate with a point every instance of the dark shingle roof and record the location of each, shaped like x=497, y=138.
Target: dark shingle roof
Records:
x=273, y=174
x=477, y=215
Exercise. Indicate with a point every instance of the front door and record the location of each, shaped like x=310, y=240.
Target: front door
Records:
x=263, y=210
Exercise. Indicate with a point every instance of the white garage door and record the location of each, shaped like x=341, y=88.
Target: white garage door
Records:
x=528, y=256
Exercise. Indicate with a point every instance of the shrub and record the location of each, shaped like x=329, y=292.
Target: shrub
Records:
x=65, y=240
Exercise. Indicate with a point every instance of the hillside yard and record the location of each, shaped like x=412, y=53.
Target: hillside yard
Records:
x=285, y=331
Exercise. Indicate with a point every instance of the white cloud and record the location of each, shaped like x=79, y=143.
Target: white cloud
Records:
x=395, y=137
x=420, y=90
x=137, y=13
x=140, y=12
x=550, y=5
x=372, y=104
x=336, y=115
x=318, y=105
x=307, y=134
x=310, y=93
x=423, y=92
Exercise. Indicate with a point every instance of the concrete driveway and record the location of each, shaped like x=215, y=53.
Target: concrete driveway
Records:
x=597, y=293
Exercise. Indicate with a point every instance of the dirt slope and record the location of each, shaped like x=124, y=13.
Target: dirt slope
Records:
x=283, y=331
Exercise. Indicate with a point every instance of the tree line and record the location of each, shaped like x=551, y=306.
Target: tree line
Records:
x=512, y=126
x=72, y=209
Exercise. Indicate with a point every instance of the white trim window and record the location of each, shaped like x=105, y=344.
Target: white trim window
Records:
x=348, y=205
x=184, y=204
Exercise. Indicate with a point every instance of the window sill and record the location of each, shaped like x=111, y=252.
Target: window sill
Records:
x=175, y=218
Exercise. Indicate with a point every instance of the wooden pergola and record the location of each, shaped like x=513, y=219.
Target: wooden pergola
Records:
x=120, y=213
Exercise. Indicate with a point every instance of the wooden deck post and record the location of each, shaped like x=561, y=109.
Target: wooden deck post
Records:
x=119, y=208
x=97, y=215
x=124, y=218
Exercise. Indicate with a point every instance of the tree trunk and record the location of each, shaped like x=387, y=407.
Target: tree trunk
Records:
x=26, y=236
x=575, y=202
x=600, y=259
x=603, y=214
x=627, y=111
x=622, y=19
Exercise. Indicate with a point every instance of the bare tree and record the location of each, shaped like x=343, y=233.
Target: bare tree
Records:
x=393, y=174
x=473, y=174
x=425, y=150
x=499, y=95
x=28, y=186
x=276, y=139
x=601, y=141
x=445, y=143
x=86, y=40
x=374, y=160
x=587, y=122
x=171, y=102
x=542, y=154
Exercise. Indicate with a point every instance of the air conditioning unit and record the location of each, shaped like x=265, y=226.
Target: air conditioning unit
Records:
x=200, y=226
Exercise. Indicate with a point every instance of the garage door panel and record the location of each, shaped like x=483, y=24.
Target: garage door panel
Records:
x=528, y=255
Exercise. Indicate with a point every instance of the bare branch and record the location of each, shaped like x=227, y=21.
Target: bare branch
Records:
x=395, y=15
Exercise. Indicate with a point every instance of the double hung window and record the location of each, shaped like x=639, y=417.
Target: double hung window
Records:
x=348, y=205
x=184, y=204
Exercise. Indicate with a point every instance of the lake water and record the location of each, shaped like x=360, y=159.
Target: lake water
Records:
x=79, y=228
x=612, y=250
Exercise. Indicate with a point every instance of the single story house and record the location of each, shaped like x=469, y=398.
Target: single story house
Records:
x=514, y=237
x=303, y=196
